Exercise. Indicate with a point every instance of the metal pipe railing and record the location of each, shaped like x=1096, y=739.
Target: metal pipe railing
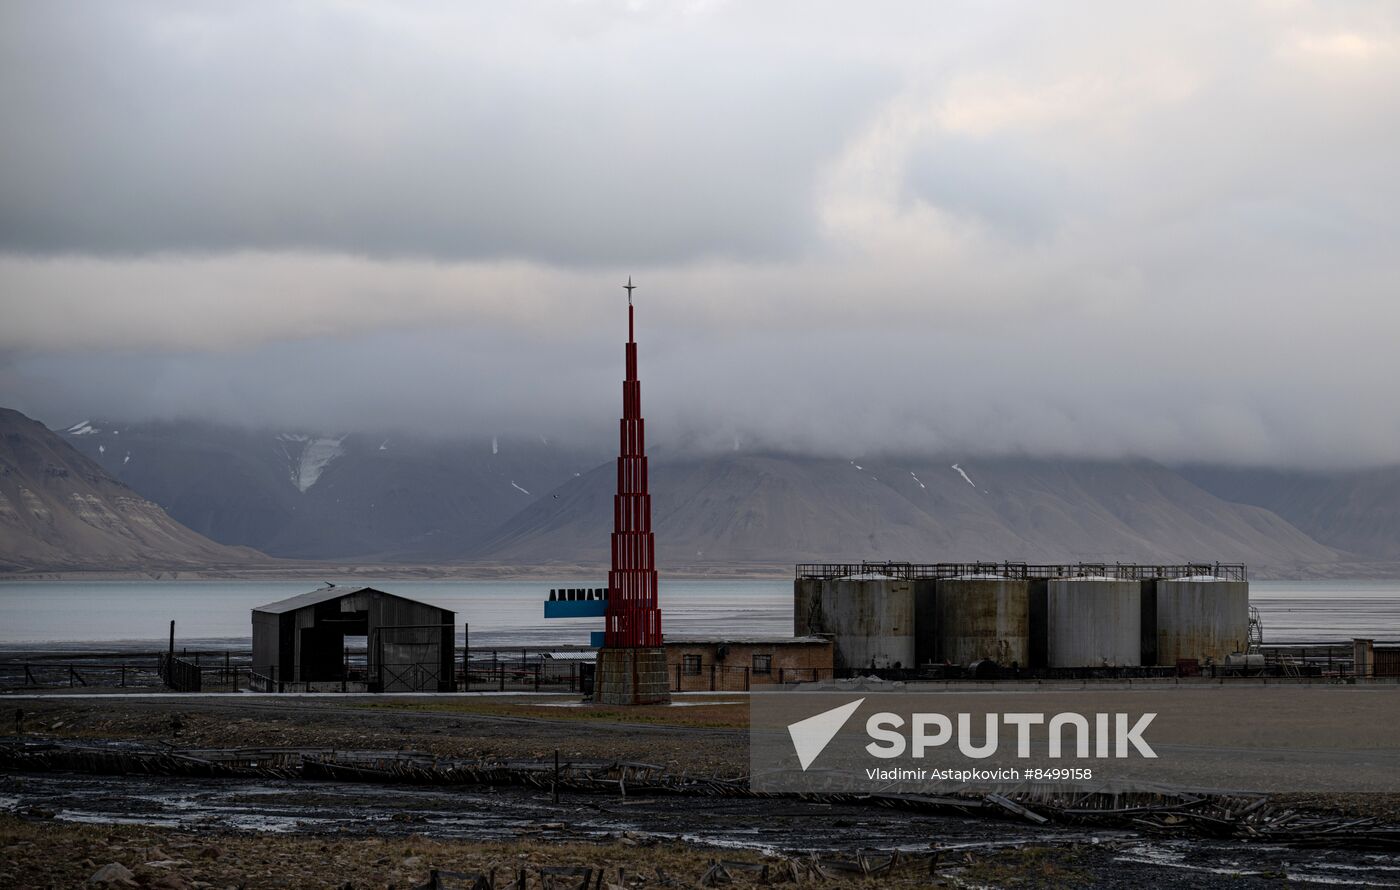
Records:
x=1119, y=571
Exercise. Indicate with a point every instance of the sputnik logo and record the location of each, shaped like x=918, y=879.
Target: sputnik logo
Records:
x=811, y=736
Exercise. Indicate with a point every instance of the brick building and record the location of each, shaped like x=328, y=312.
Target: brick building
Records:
x=740, y=662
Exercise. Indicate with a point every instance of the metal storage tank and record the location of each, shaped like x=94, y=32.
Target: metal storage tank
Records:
x=925, y=621
x=1091, y=622
x=806, y=606
x=1201, y=618
x=983, y=619
x=870, y=618
x=1039, y=642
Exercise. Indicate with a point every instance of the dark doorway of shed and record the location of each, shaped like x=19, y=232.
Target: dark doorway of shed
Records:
x=323, y=657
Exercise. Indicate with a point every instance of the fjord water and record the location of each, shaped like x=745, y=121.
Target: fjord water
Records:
x=501, y=613
x=87, y=614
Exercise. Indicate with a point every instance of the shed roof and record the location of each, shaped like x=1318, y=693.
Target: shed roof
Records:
x=325, y=594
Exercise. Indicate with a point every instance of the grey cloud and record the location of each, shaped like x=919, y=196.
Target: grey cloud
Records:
x=1052, y=391
x=431, y=383
x=146, y=128
x=1095, y=229
x=1005, y=187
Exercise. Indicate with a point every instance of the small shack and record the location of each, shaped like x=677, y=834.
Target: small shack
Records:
x=311, y=643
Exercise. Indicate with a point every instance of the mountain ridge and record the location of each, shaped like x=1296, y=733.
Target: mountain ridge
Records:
x=740, y=508
x=521, y=505
x=1356, y=510
x=61, y=511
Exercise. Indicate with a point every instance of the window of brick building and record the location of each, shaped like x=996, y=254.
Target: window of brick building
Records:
x=763, y=664
x=691, y=664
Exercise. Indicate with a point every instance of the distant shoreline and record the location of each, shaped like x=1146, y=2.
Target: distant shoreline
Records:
x=342, y=572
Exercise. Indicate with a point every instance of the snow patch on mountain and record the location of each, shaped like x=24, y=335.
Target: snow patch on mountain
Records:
x=517, y=487
x=963, y=473
x=308, y=457
x=82, y=429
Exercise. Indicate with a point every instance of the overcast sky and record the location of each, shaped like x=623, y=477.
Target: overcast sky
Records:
x=1160, y=230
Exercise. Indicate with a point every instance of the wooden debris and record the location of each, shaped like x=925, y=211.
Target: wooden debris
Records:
x=1236, y=816
x=440, y=879
x=1013, y=807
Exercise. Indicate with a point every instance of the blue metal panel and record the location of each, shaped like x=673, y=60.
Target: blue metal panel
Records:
x=595, y=639
x=575, y=608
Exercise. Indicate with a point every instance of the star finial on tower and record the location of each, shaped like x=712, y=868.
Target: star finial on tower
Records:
x=629, y=287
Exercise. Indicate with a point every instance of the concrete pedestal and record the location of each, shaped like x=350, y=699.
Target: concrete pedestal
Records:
x=631, y=677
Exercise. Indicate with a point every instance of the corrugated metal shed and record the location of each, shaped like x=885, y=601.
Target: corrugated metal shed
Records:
x=300, y=642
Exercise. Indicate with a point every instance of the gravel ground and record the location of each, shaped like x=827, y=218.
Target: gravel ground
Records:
x=35, y=854
x=707, y=737
x=700, y=739
x=391, y=837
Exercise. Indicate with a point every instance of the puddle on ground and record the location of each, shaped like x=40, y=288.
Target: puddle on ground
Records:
x=767, y=826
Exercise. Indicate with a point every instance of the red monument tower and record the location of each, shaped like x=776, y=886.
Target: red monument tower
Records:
x=632, y=663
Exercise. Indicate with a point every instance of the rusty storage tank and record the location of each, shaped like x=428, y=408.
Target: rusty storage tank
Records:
x=870, y=617
x=1093, y=622
x=982, y=619
x=1201, y=618
x=925, y=622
